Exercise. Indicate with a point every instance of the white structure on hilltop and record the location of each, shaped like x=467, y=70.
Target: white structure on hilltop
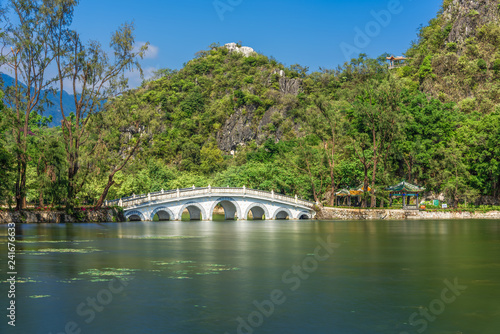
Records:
x=233, y=47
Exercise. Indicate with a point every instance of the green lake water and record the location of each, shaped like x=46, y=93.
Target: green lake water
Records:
x=359, y=277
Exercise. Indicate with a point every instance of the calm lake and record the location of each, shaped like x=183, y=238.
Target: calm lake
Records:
x=359, y=277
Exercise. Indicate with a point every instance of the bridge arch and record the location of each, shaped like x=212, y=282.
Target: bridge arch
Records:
x=282, y=213
x=135, y=216
x=304, y=215
x=163, y=212
x=258, y=210
x=196, y=211
x=230, y=206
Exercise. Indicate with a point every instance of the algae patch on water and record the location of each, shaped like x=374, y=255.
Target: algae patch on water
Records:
x=51, y=241
x=39, y=296
x=108, y=274
x=189, y=269
x=161, y=237
x=71, y=280
x=61, y=250
x=20, y=280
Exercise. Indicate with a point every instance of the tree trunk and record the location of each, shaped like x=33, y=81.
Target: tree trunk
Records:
x=105, y=192
x=374, y=173
x=110, y=177
x=365, y=189
x=332, y=167
x=314, y=192
x=21, y=185
x=21, y=172
x=18, y=185
x=72, y=171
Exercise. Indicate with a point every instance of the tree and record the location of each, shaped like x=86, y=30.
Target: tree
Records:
x=374, y=123
x=47, y=158
x=325, y=120
x=93, y=77
x=26, y=53
x=310, y=161
x=119, y=134
x=211, y=158
x=6, y=159
x=480, y=136
x=426, y=124
x=453, y=174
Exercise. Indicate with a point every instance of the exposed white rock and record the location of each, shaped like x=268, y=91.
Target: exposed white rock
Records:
x=281, y=73
x=233, y=47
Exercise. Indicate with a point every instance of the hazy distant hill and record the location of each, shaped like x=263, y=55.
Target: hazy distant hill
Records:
x=50, y=110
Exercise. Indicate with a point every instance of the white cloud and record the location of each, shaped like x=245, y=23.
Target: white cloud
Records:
x=134, y=77
x=152, y=51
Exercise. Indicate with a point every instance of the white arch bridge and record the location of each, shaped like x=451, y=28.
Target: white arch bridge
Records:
x=201, y=202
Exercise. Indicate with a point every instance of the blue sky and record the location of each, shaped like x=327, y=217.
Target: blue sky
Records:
x=310, y=33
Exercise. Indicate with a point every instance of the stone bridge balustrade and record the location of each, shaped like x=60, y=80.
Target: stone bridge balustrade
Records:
x=201, y=202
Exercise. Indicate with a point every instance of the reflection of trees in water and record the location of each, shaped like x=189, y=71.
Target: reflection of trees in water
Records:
x=19, y=231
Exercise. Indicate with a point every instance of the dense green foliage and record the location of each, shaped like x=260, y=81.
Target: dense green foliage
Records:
x=229, y=120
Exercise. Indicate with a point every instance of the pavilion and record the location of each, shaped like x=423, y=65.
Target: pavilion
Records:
x=406, y=191
x=395, y=62
x=342, y=194
x=350, y=193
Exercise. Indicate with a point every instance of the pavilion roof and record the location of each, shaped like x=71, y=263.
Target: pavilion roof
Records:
x=396, y=58
x=352, y=192
x=405, y=186
x=342, y=192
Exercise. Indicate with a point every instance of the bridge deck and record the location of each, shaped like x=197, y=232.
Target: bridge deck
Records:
x=208, y=191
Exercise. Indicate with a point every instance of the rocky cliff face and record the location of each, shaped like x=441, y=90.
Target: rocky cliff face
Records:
x=462, y=47
x=467, y=16
x=242, y=127
x=247, y=124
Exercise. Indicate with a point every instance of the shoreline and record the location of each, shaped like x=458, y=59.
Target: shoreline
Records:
x=326, y=213
x=399, y=214
x=61, y=217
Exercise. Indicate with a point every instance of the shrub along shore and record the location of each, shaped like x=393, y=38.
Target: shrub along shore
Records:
x=114, y=214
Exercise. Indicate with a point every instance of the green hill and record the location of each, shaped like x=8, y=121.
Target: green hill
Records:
x=227, y=115
x=227, y=97
x=457, y=57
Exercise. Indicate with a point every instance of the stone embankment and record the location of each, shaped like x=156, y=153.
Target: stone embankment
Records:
x=35, y=217
x=359, y=214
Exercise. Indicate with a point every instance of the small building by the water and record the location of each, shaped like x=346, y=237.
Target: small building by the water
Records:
x=409, y=193
x=347, y=195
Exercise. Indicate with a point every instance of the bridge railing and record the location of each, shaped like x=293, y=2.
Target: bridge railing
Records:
x=189, y=192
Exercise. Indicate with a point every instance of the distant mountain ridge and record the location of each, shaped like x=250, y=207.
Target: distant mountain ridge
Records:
x=53, y=109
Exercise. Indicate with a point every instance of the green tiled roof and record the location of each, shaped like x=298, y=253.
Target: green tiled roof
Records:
x=405, y=186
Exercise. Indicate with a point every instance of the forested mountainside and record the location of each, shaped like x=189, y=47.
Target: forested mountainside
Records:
x=457, y=57
x=234, y=118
